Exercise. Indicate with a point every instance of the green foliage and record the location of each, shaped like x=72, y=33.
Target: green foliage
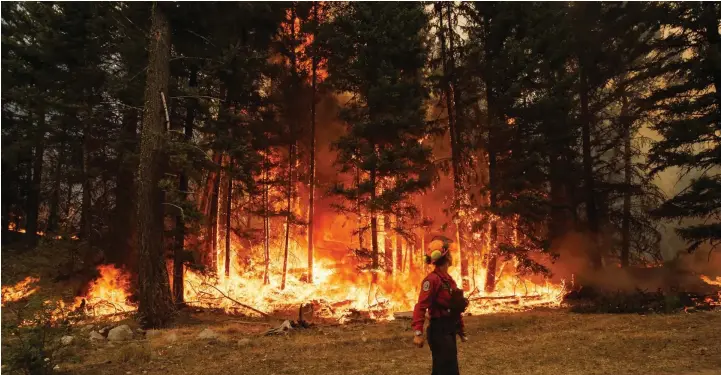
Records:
x=31, y=335
x=688, y=107
x=376, y=53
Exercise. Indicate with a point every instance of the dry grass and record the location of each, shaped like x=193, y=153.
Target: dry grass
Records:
x=548, y=342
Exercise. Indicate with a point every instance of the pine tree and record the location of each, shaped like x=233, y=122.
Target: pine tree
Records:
x=689, y=120
x=378, y=56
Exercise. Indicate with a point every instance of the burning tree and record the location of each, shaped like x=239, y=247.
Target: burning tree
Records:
x=385, y=113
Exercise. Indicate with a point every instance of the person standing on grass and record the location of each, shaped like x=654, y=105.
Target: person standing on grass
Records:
x=444, y=302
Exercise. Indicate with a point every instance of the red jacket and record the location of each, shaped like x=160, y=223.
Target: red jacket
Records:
x=435, y=296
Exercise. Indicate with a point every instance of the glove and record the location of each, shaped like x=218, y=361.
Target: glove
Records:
x=463, y=337
x=418, y=341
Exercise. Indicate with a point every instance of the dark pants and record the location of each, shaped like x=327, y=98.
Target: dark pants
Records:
x=442, y=340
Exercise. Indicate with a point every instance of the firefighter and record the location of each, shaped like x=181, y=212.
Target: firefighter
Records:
x=444, y=302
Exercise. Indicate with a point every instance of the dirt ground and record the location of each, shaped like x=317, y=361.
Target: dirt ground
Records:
x=539, y=342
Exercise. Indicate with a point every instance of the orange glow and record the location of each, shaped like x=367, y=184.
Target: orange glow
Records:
x=292, y=27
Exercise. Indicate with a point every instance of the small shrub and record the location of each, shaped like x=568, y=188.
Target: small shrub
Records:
x=31, y=336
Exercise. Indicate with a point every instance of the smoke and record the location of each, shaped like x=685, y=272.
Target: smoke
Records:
x=679, y=273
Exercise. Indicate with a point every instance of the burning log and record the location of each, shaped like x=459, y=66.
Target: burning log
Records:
x=239, y=303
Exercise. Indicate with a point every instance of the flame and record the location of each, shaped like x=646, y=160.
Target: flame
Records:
x=108, y=294
x=339, y=288
x=710, y=300
x=21, y=290
x=708, y=280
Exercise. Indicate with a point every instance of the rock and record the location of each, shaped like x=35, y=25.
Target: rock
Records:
x=66, y=340
x=244, y=342
x=120, y=333
x=56, y=368
x=86, y=327
x=94, y=336
x=207, y=334
x=171, y=337
x=104, y=331
x=152, y=333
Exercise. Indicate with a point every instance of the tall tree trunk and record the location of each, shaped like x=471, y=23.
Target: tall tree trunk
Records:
x=374, y=226
x=453, y=110
x=561, y=218
x=491, y=263
x=359, y=210
x=155, y=304
x=85, y=219
x=54, y=215
x=627, y=170
x=459, y=144
x=289, y=210
x=311, y=198
x=179, y=248
x=291, y=154
x=228, y=208
x=589, y=191
x=266, y=220
x=34, y=194
x=212, y=243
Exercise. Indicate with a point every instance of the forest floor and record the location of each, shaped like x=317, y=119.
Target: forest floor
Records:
x=537, y=342
x=541, y=342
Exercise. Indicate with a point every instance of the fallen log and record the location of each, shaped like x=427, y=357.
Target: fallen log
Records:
x=239, y=303
x=403, y=315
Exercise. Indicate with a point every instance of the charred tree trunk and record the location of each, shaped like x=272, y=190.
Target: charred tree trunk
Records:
x=311, y=198
x=155, y=304
x=289, y=210
x=374, y=226
x=266, y=220
x=627, y=170
x=359, y=211
x=212, y=243
x=179, y=248
x=493, y=125
x=589, y=191
x=228, y=206
x=559, y=169
x=85, y=219
x=458, y=148
x=54, y=214
x=33, y=202
x=291, y=155
x=451, y=94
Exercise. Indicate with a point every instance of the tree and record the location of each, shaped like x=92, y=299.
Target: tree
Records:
x=155, y=303
x=689, y=117
x=375, y=52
